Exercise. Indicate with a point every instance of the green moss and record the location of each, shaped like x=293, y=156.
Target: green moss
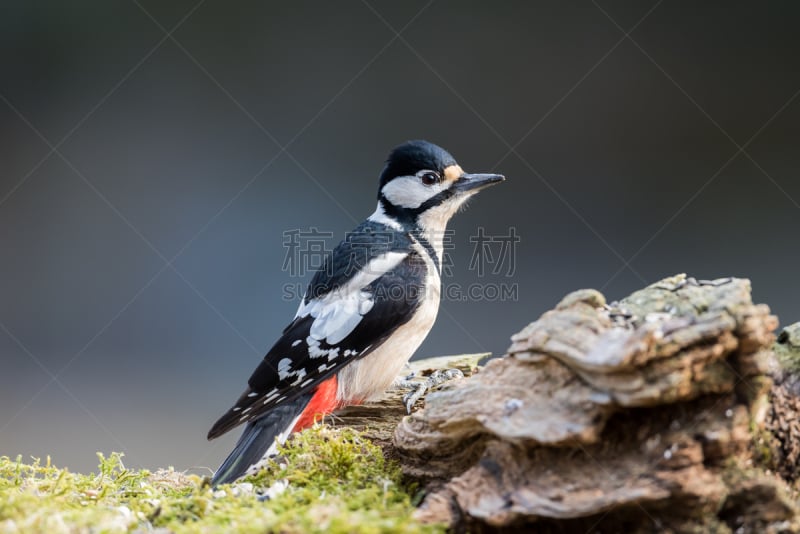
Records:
x=338, y=481
x=763, y=454
x=787, y=347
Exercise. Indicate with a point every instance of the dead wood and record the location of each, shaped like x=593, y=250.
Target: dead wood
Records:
x=654, y=413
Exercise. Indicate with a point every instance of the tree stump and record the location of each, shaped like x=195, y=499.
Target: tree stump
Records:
x=656, y=413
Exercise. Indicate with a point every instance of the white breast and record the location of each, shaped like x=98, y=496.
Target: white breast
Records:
x=369, y=377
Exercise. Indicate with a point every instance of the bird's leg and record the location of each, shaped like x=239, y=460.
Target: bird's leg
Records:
x=416, y=389
x=419, y=387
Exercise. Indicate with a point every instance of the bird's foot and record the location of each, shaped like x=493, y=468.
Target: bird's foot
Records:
x=418, y=388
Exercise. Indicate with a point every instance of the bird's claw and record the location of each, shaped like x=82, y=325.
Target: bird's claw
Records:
x=420, y=387
x=411, y=398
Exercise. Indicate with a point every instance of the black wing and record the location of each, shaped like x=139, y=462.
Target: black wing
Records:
x=366, y=242
x=331, y=330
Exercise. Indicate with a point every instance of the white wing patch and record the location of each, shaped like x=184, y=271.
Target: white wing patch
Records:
x=336, y=318
x=285, y=372
x=284, y=368
x=315, y=351
x=337, y=313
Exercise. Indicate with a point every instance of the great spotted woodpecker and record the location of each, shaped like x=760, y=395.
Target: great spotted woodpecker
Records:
x=368, y=308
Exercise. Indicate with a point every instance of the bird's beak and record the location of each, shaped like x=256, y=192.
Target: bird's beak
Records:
x=474, y=182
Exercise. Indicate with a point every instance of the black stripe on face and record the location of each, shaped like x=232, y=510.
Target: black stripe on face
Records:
x=408, y=216
x=436, y=200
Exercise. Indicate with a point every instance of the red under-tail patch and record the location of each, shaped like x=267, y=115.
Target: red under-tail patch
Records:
x=322, y=403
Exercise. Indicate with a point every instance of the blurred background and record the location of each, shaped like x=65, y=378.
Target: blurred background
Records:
x=153, y=157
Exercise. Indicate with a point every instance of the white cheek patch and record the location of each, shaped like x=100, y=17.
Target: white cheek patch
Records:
x=408, y=192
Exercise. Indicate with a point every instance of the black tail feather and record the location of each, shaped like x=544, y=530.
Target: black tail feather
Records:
x=258, y=437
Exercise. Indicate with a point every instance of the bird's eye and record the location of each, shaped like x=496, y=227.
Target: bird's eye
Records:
x=429, y=177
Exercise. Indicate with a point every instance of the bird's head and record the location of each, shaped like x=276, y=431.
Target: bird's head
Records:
x=422, y=186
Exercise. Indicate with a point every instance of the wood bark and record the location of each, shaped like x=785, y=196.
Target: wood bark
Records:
x=655, y=413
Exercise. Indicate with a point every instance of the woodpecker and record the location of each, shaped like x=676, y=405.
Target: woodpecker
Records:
x=365, y=312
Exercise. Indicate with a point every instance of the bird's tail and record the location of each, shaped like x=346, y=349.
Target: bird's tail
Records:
x=258, y=441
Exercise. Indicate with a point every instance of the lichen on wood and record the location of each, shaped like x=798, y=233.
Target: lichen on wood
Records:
x=636, y=415
x=781, y=439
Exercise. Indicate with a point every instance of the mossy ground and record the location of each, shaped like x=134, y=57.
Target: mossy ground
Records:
x=338, y=481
